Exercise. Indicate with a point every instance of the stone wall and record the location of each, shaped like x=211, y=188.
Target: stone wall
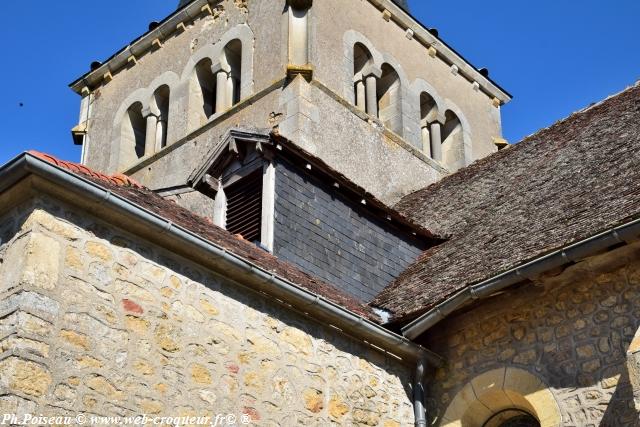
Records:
x=334, y=238
x=411, y=60
x=320, y=117
x=94, y=320
x=567, y=334
x=168, y=65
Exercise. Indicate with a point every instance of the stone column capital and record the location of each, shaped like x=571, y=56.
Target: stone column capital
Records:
x=371, y=71
x=438, y=119
x=149, y=112
x=220, y=68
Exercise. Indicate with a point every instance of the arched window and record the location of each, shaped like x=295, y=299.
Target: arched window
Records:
x=361, y=59
x=202, y=93
x=452, y=142
x=389, y=99
x=161, y=100
x=231, y=61
x=428, y=113
x=215, y=86
x=132, y=136
x=503, y=397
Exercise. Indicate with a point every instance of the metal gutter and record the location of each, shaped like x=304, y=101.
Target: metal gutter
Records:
x=264, y=281
x=625, y=233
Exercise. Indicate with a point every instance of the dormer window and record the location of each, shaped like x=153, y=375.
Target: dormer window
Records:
x=239, y=177
x=281, y=198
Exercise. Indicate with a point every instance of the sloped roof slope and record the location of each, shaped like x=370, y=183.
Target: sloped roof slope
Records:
x=563, y=184
x=143, y=197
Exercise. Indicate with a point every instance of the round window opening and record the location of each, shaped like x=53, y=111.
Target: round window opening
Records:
x=512, y=418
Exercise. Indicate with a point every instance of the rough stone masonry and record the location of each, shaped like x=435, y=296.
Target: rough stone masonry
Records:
x=94, y=320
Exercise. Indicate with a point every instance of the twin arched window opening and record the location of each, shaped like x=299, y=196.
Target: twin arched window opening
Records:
x=215, y=86
x=144, y=130
x=377, y=90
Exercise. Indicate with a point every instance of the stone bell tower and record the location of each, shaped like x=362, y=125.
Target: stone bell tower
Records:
x=358, y=84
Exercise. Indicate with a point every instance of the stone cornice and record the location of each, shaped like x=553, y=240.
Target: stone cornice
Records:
x=443, y=51
x=176, y=23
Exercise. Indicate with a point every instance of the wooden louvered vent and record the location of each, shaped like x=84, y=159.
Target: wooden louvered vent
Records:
x=244, y=206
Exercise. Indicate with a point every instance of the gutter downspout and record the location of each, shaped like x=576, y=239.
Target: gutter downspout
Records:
x=363, y=329
x=625, y=233
x=419, y=406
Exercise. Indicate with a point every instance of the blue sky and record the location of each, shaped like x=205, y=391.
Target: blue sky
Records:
x=554, y=56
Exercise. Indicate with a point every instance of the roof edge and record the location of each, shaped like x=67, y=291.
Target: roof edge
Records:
x=625, y=233
x=264, y=281
x=190, y=11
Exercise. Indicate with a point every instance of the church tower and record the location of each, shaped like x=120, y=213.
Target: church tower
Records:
x=360, y=85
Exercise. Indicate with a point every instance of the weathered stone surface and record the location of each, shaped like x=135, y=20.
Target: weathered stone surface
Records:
x=313, y=400
x=41, y=262
x=25, y=377
x=114, y=339
x=577, y=348
x=75, y=339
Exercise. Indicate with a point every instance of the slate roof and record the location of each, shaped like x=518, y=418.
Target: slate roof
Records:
x=204, y=228
x=563, y=184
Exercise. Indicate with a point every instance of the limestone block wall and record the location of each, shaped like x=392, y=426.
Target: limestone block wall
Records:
x=97, y=321
x=316, y=122
x=559, y=349
x=334, y=34
x=256, y=22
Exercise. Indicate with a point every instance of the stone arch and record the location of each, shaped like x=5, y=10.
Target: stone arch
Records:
x=403, y=127
x=457, y=150
x=133, y=130
x=245, y=36
x=498, y=390
x=361, y=57
x=395, y=64
x=125, y=156
x=389, y=94
x=231, y=59
x=201, y=94
x=169, y=79
x=362, y=61
x=162, y=93
x=200, y=82
x=350, y=40
x=140, y=95
x=420, y=86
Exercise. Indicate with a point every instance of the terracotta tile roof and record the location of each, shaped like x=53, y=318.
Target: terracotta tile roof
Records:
x=169, y=210
x=118, y=179
x=563, y=184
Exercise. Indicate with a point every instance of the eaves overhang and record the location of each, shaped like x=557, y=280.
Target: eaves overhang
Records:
x=591, y=246
x=51, y=179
